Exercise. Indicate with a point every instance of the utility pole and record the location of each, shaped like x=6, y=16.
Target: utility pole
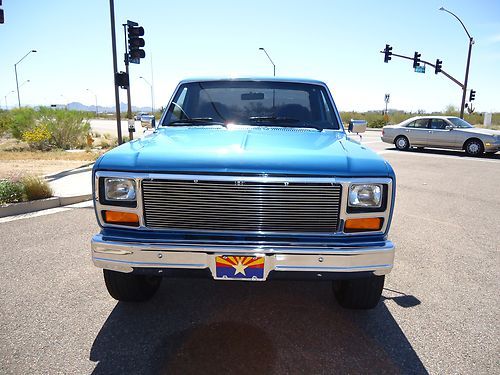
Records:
x=115, y=71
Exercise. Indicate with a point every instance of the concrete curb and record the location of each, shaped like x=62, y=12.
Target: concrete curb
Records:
x=41, y=204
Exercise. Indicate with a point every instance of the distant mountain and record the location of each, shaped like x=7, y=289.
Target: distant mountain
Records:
x=77, y=106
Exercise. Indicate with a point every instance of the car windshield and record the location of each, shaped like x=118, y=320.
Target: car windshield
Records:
x=459, y=123
x=256, y=103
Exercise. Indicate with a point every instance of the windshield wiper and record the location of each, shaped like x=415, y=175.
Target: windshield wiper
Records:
x=198, y=121
x=286, y=121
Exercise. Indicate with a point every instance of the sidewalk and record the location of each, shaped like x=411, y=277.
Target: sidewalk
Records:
x=70, y=187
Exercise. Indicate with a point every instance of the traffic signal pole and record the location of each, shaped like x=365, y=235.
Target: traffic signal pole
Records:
x=129, y=102
x=115, y=71
x=438, y=69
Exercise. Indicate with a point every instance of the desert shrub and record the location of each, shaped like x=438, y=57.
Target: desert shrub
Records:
x=68, y=128
x=377, y=123
x=5, y=121
x=36, y=188
x=21, y=120
x=38, y=137
x=11, y=191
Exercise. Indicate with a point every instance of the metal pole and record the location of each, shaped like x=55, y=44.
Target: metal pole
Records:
x=152, y=85
x=471, y=42
x=17, y=88
x=96, y=107
x=464, y=94
x=129, y=101
x=269, y=57
x=115, y=70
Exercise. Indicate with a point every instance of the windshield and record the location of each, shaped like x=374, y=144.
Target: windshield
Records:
x=251, y=103
x=459, y=123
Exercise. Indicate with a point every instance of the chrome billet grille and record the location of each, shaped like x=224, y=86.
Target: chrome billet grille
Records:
x=242, y=207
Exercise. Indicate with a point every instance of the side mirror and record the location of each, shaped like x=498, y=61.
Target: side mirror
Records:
x=448, y=127
x=357, y=126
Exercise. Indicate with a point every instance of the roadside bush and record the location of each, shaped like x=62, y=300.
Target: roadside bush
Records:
x=38, y=138
x=5, y=121
x=21, y=120
x=11, y=191
x=377, y=123
x=68, y=128
x=36, y=188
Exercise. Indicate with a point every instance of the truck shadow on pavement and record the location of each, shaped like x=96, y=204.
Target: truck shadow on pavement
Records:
x=458, y=154
x=281, y=327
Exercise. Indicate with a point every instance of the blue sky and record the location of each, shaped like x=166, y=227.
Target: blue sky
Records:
x=333, y=41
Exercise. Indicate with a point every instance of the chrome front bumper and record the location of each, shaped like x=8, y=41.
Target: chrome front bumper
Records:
x=316, y=259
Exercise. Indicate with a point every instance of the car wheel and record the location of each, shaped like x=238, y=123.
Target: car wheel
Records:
x=474, y=147
x=402, y=143
x=131, y=288
x=363, y=293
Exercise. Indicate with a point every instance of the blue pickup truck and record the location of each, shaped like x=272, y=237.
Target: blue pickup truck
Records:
x=245, y=180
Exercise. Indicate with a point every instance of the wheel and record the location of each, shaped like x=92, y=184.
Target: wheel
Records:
x=363, y=293
x=474, y=147
x=402, y=143
x=131, y=288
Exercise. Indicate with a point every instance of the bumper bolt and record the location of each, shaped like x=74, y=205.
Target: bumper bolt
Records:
x=160, y=255
x=320, y=259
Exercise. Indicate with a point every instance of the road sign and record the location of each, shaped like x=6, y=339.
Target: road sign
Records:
x=420, y=69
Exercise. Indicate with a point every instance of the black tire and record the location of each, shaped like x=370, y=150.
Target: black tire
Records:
x=402, y=143
x=474, y=147
x=131, y=288
x=363, y=293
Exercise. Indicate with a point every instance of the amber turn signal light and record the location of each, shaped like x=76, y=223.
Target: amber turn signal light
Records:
x=121, y=218
x=365, y=224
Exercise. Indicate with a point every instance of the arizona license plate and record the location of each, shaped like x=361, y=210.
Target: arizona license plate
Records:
x=239, y=267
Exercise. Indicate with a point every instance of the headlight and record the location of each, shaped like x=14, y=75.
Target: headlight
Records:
x=365, y=195
x=119, y=189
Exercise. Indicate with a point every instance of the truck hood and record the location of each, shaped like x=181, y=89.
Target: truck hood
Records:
x=246, y=150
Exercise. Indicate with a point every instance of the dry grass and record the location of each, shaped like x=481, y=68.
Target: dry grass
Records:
x=36, y=188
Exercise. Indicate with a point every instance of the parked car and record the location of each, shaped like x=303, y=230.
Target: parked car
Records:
x=245, y=180
x=442, y=132
x=139, y=115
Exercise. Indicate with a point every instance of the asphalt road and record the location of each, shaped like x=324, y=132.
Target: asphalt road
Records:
x=439, y=313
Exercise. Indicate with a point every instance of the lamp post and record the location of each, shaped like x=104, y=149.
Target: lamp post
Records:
x=17, y=84
x=152, y=97
x=96, y=107
x=5, y=98
x=274, y=66
x=471, y=42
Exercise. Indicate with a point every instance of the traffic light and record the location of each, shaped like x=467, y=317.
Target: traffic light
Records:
x=135, y=42
x=387, y=53
x=472, y=95
x=122, y=80
x=439, y=66
x=416, y=59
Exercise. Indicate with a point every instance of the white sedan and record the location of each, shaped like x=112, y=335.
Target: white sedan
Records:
x=442, y=132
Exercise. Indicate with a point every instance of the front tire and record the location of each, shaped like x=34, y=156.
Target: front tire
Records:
x=402, y=143
x=474, y=147
x=131, y=288
x=363, y=293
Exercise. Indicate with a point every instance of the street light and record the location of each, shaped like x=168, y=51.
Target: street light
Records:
x=274, y=66
x=96, y=107
x=471, y=42
x=152, y=97
x=15, y=70
x=5, y=98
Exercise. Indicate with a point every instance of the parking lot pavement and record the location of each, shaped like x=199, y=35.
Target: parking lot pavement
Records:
x=439, y=313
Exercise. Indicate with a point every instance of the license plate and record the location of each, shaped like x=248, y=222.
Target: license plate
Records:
x=230, y=267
